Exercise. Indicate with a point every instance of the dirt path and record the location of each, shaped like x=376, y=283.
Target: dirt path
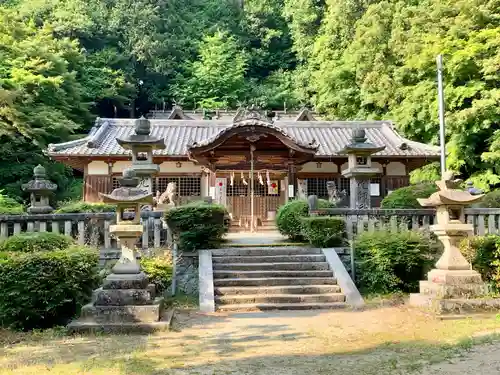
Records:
x=388, y=340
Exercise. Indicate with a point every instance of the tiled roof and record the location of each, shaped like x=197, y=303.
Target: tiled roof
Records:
x=331, y=136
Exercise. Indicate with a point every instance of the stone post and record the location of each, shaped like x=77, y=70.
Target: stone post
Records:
x=40, y=190
x=360, y=169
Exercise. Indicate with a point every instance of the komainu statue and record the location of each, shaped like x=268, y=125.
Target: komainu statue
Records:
x=169, y=196
x=334, y=196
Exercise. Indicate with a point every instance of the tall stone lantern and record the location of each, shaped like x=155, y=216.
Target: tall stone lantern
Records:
x=126, y=301
x=142, y=144
x=453, y=282
x=40, y=190
x=359, y=171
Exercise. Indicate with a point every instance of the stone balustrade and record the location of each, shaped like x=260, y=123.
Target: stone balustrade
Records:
x=87, y=228
x=485, y=220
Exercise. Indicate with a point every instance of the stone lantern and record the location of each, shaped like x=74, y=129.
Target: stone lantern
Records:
x=359, y=170
x=126, y=301
x=142, y=144
x=453, y=278
x=40, y=190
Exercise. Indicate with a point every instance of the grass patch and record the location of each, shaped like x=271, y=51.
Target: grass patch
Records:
x=182, y=301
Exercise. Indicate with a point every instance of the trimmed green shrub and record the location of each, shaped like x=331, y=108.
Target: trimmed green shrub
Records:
x=197, y=225
x=483, y=252
x=9, y=206
x=36, y=241
x=159, y=271
x=46, y=288
x=388, y=262
x=406, y=197
x=84, y=207
x=288, y=218
x=490, y=200
x=324, y=231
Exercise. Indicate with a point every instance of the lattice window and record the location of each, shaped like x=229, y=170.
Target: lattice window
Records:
x=115, y=184
x=238, y=189
x=186, y=186
x=317, y=186
x=345, y=185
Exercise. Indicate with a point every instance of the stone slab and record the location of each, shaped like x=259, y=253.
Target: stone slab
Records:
x=453, y=291
x=122, y=314
x=349, y=289
x=126, y=281
x=164, y=324
x=454, y=277
x=455, y=305
x=206, y=282
x=122, y=297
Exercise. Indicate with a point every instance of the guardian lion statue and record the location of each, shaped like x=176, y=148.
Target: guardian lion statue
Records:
x=169, y=196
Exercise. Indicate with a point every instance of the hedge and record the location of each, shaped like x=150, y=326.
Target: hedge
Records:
x=288, y=218
x=159, y=271
x=490, y=200
x=483, y=252
x=324, y=231
x=84, y=207
x=197, y=225
x=9, y=206
x=388, y=262
x=406, y=197
x=45, y=288
x=36, y=241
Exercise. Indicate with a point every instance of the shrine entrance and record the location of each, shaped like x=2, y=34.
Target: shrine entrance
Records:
x=252, y=164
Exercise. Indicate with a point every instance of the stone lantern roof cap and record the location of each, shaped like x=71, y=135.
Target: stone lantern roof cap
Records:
x=359, y=144
x=128, y=192
x=449, y=194
x=142, y=137
x=39, y=183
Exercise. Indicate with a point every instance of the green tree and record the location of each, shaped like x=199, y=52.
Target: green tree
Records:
x=218, y=75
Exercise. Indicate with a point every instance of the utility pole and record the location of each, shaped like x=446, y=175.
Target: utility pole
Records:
x=442, y=140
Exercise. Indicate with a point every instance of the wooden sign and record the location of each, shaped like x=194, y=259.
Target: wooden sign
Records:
x=221, y=190
x=273, y=188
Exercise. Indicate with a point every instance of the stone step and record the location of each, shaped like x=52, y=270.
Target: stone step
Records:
x=282, y=306
x=219, y=274
x=268, y=258
x=277, y=289
x=263, y=251
x=288, y=266
x=274, y=281
x=279, y=298
x=127, y=314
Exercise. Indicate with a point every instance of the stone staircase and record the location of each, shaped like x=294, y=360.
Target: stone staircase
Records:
x=274, y=278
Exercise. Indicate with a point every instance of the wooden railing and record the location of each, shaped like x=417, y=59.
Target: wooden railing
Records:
x=485, y=220
x=88, y=229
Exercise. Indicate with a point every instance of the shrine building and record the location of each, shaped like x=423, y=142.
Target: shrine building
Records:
x=292, y=155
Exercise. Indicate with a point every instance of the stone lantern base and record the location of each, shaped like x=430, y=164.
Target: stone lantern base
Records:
x=126, y=302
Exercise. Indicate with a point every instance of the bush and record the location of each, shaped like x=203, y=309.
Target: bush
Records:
x=45, y=288
x=490, y=200
x=483, y=252
x=197, y=225
x=84, y=207
x=36, y=241
x=288, y=218
x=389, y=262
x=9, y=206
x=407, y=197
x=324, y=231
x=159, y=271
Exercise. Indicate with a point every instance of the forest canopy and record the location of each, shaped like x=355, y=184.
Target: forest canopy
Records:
x=65, y=62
